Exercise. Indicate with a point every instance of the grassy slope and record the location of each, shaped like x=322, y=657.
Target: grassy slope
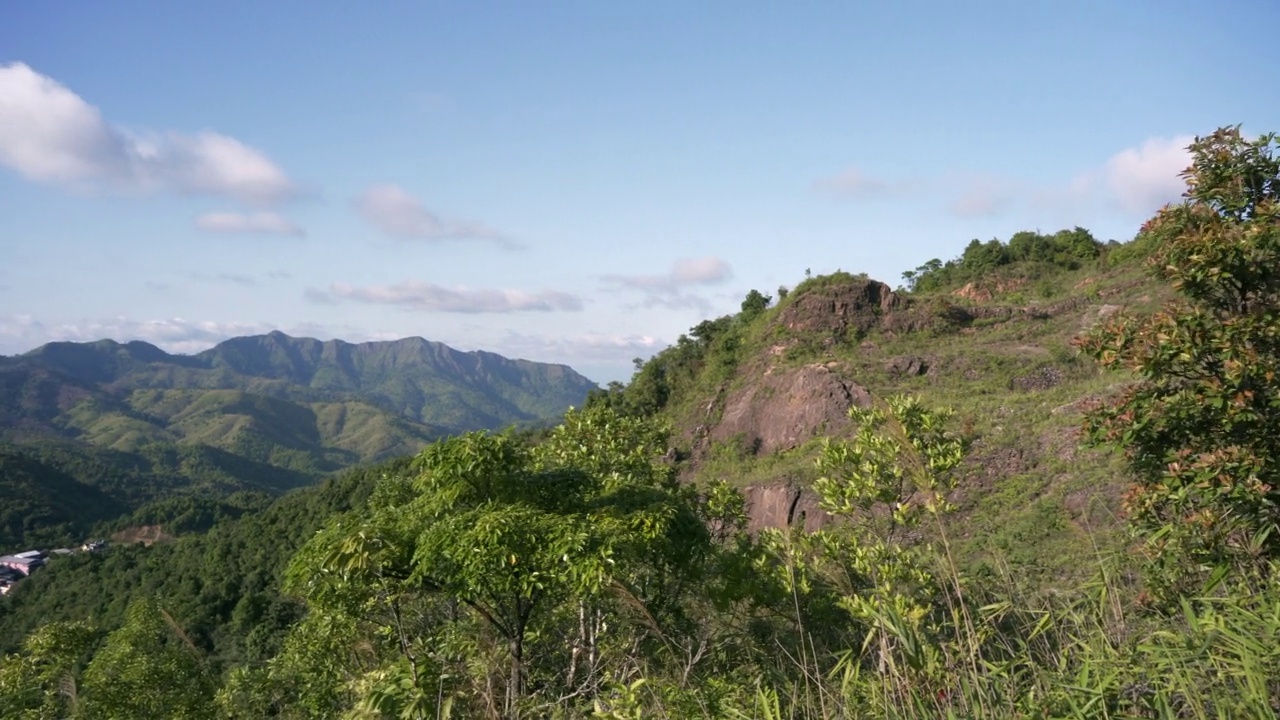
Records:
x=1030, y=492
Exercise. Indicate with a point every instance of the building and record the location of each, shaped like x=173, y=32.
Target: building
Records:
x=23, y=562
x=8, y=576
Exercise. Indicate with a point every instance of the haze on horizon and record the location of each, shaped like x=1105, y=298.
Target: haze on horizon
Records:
x=577, y=184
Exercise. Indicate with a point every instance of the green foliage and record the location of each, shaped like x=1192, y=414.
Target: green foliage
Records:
x=93, y=431
x=39, y=682
x=46, y=504
x=1032, y=254
x=565, y=573
x=1200, y=428
x=894, y=472
x=147, y=669
x=897, y=460
x=489, y=543
x=221, y=586
x=754, y=304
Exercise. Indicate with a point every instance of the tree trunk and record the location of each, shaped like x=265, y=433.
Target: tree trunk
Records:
x=515, y=684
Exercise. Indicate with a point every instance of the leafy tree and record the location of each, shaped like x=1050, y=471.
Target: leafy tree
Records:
x=480, y=552
x=40, y=682
x=1201, y=427
x=1027, y=254
x=980, y=257
x=754, y=304
x=893, y=474
x=147, y=669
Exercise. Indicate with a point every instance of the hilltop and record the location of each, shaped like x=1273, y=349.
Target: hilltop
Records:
x=752, y=396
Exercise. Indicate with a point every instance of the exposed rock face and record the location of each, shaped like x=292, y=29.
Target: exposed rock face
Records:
x=840, y=310
x=783, y=505
x=907, y=365
x=983, y=292
x=787, y=407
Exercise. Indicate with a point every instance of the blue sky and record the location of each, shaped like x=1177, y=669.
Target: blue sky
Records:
x=576, y=183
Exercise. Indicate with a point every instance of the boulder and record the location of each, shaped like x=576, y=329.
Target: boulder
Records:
x=787, y=407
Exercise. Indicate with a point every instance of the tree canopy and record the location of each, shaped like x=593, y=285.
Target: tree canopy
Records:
x=1201, y=427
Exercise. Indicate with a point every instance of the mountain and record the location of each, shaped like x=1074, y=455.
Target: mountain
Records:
x=267, y=413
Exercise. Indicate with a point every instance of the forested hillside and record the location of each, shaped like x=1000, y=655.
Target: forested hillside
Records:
x=113, y=426
x=1037, y=481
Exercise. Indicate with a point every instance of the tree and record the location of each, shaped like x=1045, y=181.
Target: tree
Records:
x=885, y=481
x=1201, y=427
x=40, y=682
x=147, y=668
x=492, y=539
x=755, y=303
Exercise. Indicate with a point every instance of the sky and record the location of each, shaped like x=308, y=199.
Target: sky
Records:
x=571, y=182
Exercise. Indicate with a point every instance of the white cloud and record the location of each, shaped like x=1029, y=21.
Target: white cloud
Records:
x=50, y=134
x=318, y=296
x=416, y=295
x=853, y=183
x=237, y=279
x=1134, y=182
x=20, y=333
x=983, y=196
x=1142, y=180
x=678, y=301
x=589, y=347
x=701, y=271
x=684, y=273
x=398, y=214
x=671, y=289
x=267, y=223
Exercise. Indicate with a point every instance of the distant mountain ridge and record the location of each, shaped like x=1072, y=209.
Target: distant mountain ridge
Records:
x=266, y=412
x=425, y=381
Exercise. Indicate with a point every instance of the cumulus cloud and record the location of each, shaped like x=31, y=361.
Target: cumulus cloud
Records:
x=1133, y=182
x=50, y=134
x=429, y=297
x=19, y=333
x=398, y=214
x=265, y=223
x=1141, y=180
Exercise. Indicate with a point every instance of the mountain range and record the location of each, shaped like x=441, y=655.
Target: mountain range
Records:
x=264, y=413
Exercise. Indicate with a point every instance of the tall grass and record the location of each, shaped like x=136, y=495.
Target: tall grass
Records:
x=1083, y=655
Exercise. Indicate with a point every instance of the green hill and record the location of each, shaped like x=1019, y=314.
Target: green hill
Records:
x=264, y=413
x=752, y=395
